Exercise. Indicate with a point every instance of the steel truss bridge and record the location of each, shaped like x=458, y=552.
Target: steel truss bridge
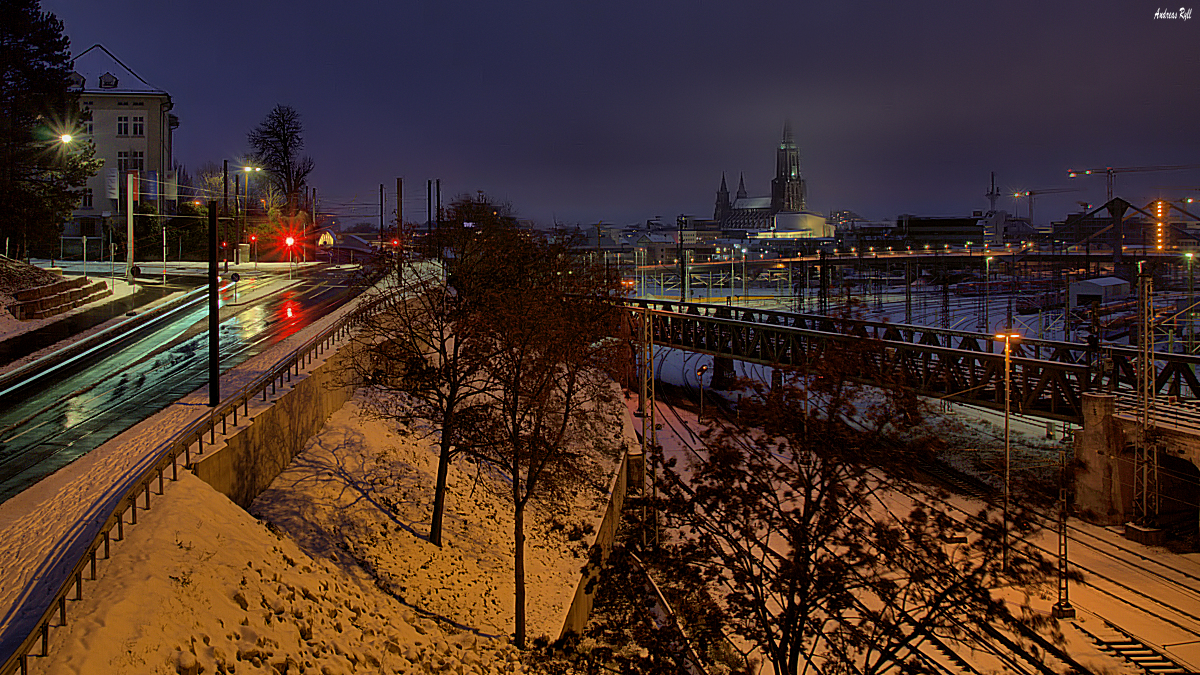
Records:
x=1048, y=377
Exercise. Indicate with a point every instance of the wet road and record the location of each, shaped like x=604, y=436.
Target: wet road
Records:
x=110, y=391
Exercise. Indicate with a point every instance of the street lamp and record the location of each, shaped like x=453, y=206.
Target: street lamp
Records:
x=1007, y=338
x=245, y=225
x=743, y=274
x=987, y=293
x=700, y=380
x=254, y=250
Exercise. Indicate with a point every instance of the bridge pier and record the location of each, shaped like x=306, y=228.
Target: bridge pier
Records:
x=1098, y=446
x=1105, y=451
x=723, y=375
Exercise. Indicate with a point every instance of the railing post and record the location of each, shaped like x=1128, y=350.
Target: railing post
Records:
x=79, y=585
x=133, y=510
x=93, y=556
x=62, y=610
x=121, y=527
x=45, y=639
x=106, y=534
x=147, y=495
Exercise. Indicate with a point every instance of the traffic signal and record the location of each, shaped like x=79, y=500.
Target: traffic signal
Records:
x=253, y=238
x=290, y=241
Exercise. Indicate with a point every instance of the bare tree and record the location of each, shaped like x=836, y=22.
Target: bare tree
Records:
x=547, y=322
x=277, y=142
x=428, y=353
x=799, y=519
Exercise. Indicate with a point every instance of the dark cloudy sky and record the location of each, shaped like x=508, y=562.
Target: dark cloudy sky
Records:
x=621, y=110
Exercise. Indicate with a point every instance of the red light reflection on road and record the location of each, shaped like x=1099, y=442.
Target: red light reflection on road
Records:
x=290, y=314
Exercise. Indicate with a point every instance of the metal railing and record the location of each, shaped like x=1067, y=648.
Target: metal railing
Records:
x=166, y=456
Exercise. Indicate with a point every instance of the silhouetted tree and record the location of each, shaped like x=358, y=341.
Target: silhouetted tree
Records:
x=277, y=142
x=546, y=314
x=429, y=352
x=40, y=175
x=800, y=519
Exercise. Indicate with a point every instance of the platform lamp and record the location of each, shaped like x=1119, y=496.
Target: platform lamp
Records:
x=700, y=380
x=1007, y=338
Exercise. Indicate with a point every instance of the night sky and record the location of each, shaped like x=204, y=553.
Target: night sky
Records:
x=624, y=110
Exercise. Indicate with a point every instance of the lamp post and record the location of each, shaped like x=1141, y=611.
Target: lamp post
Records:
x=1008, y=338
x=743, y=274
x=290, y=241
x=1191, y=310
x=700, y=380
x=987, y=292
x=254, y=250
x=245, y=224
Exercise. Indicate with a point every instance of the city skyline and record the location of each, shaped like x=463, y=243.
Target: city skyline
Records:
x=621, y=112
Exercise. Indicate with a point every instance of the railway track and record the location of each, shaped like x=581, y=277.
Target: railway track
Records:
x=1174, y=588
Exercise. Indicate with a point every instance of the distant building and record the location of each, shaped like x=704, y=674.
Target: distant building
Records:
x=919, y=231
x=1101, y=290
x=789, y=195
x=132, y=128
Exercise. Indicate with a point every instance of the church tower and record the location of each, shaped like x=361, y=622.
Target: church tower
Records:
x=723, y=207
x=788, y=189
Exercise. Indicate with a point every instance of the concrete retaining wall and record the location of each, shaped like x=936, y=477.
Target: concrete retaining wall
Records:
x=255, y=453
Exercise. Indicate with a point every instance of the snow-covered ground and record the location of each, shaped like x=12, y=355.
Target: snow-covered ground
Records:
x=336, y=576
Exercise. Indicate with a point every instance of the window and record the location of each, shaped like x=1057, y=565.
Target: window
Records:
x=122, y=161
x=137, y=161
x=86, y=201
x=139, y=125
x=123, y=125
x=87, y=128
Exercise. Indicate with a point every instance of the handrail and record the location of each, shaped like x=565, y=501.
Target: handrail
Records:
x=167, y=453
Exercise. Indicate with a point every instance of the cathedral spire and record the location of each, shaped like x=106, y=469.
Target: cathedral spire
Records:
x=722, y=208
x=788, y=189
x=741, y=193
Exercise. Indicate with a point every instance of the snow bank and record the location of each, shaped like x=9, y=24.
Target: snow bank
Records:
x=201, y=586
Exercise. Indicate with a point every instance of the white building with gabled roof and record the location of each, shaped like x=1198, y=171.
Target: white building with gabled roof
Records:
x=132, y=129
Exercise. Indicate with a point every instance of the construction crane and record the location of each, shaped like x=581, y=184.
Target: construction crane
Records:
x=1030, y=194
x=1110, y=173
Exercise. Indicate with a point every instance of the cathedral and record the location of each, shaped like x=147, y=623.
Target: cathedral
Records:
x=788, y=193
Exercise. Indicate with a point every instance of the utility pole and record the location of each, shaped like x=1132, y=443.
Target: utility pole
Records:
x=439, y=202
x=131, y=181
x=399, y=205
x=381, y=218
x=429, y=204
x=1145, y=467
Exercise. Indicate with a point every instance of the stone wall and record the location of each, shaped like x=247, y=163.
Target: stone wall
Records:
x=260, y=448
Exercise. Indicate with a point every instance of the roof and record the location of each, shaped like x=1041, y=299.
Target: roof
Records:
x=96, y=63
x=1105, y=281
x=752, y=203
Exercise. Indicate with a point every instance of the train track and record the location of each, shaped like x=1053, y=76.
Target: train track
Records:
x=1112, y=561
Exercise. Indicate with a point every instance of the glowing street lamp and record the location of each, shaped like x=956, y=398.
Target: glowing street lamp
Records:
x=1007, y=338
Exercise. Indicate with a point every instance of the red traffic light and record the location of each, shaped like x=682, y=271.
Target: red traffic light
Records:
x=223, y=244
x=290, y=241
x=253, y=237
x=395, y=242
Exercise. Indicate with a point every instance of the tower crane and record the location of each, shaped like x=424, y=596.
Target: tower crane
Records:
x=1030, y=194
x=1110, y=173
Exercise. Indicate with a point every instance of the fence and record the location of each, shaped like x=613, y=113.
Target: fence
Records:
x=166, y=457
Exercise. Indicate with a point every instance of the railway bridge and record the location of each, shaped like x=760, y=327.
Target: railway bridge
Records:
x=1089, y=386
